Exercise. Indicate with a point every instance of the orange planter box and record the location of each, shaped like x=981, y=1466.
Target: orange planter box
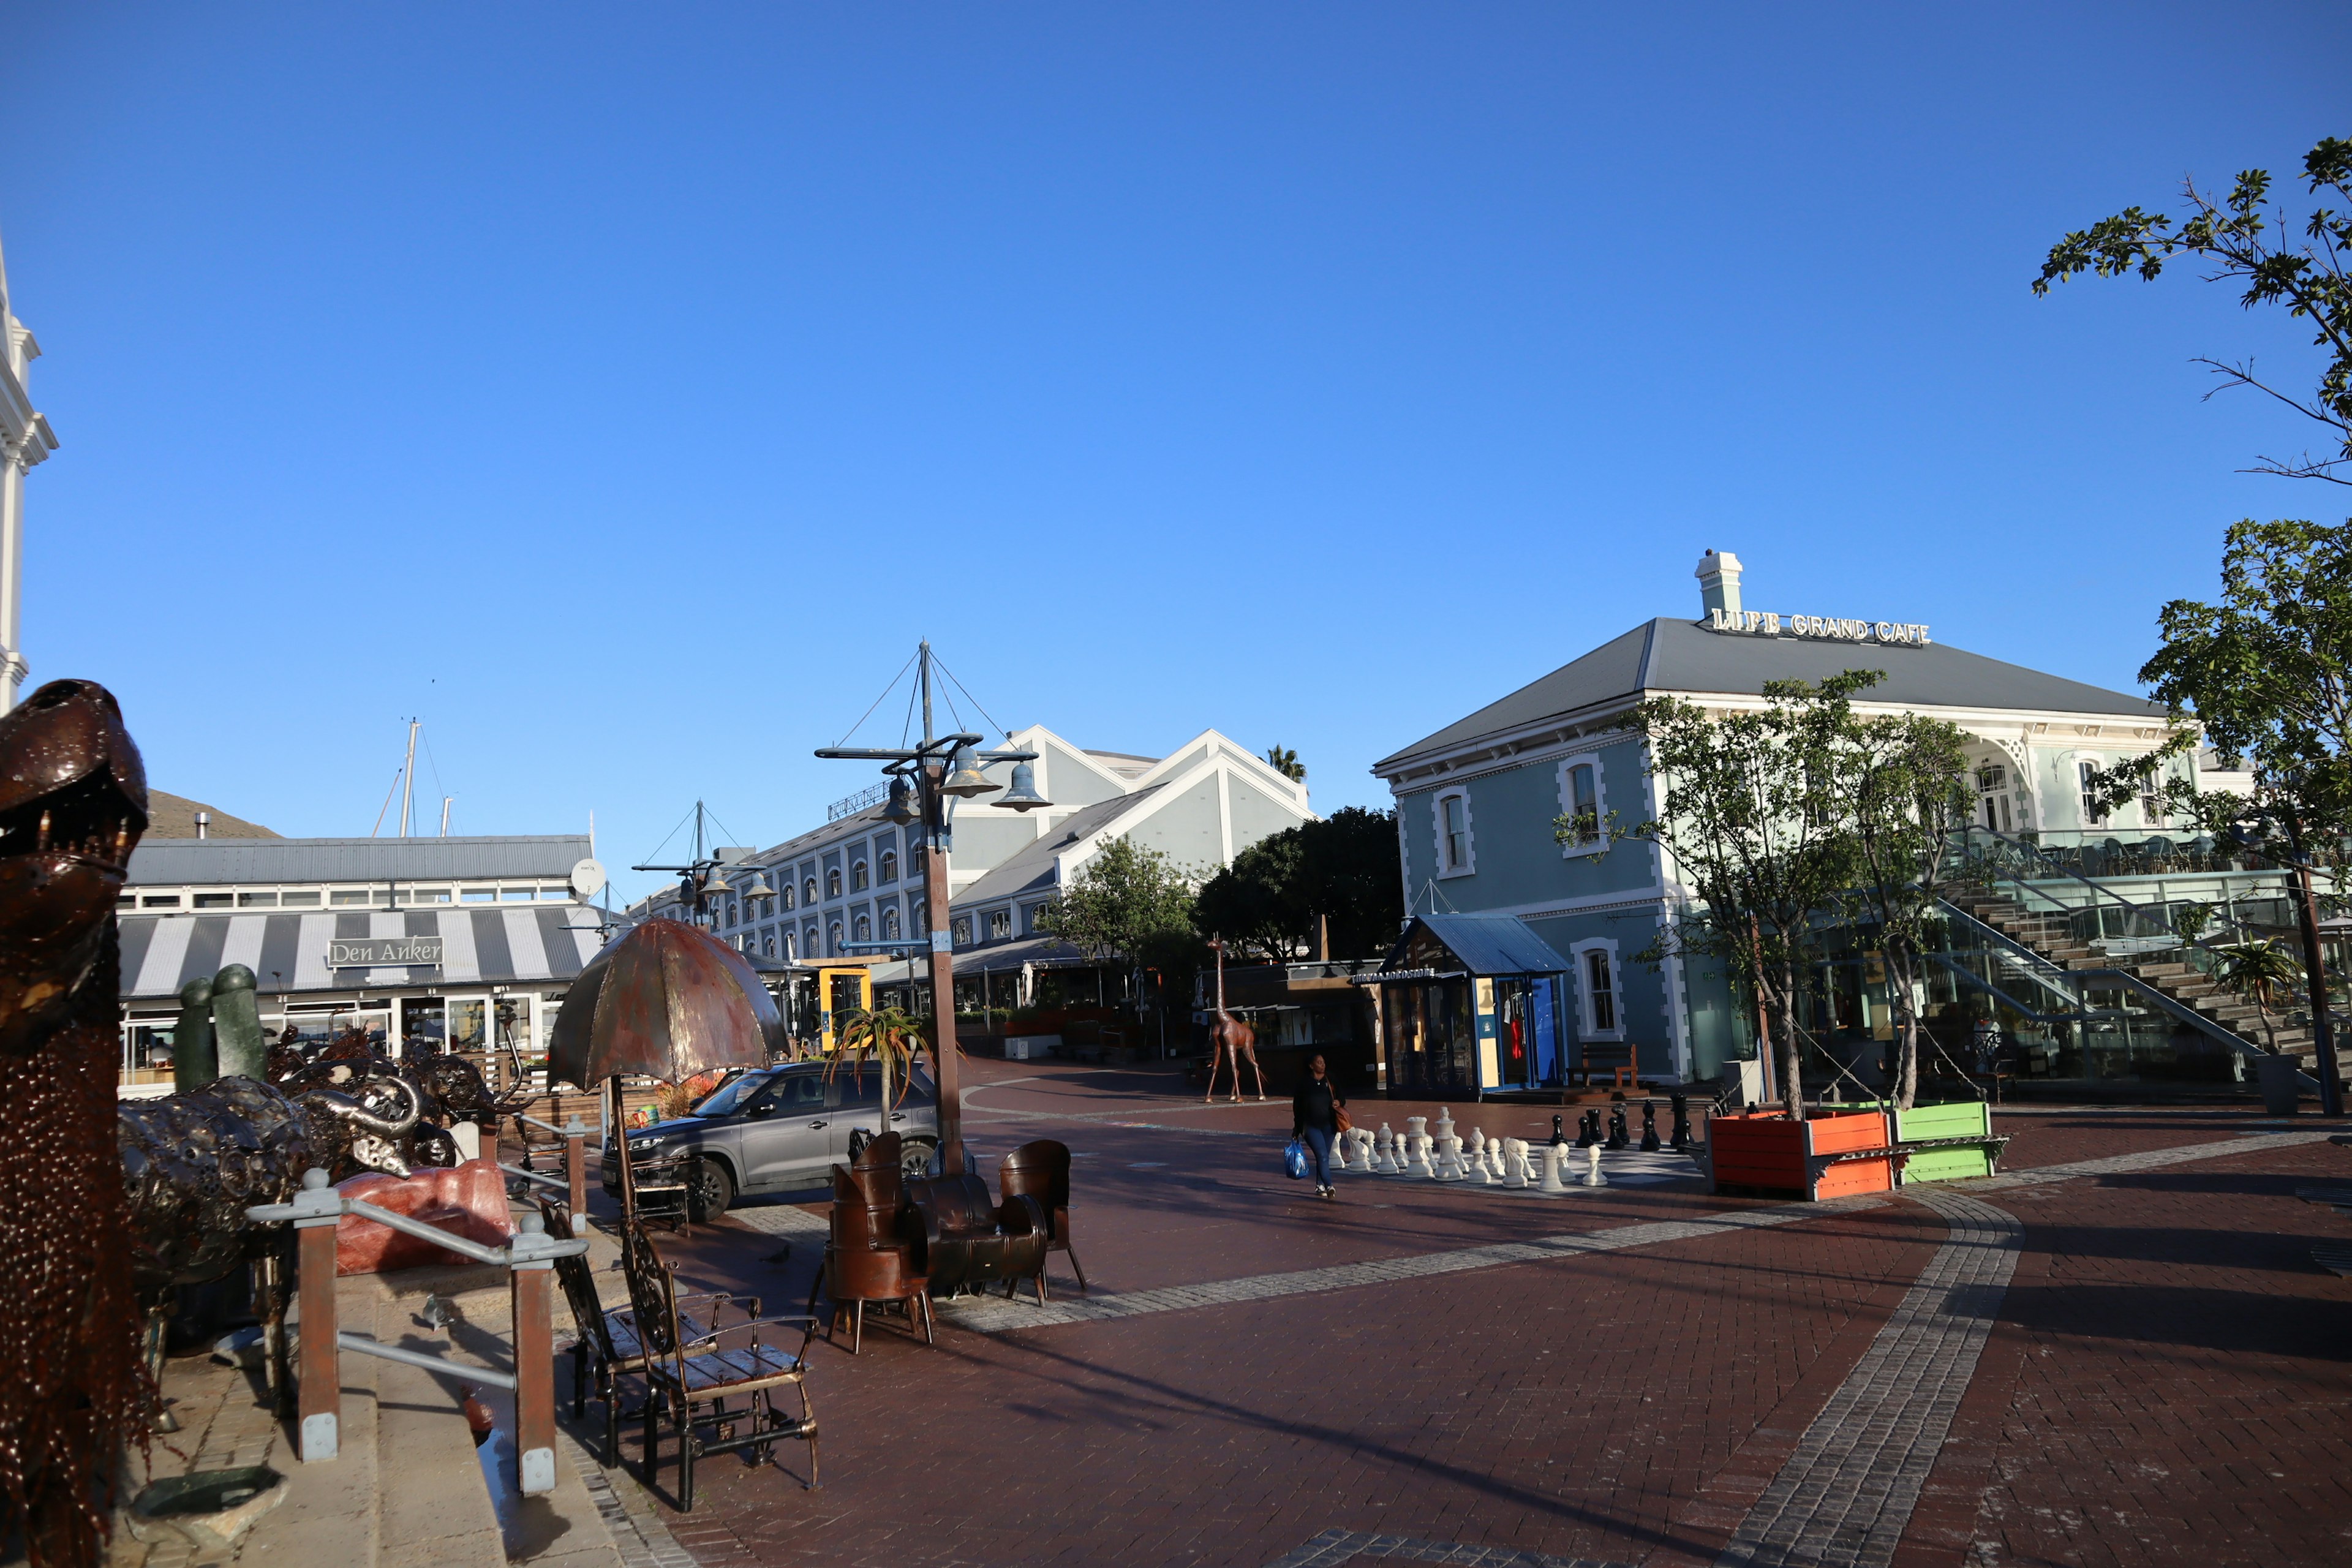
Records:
x=1764, y=1151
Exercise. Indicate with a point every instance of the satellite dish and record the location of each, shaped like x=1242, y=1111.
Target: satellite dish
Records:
x=587, y=878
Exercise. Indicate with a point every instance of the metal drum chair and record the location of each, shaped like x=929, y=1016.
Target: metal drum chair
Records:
x=969, y=1239
x=688, y=1372
x=1042, y=1171
x=605, y=1348
x=871, y=1253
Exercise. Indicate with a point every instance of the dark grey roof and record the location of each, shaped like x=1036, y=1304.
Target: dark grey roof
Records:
x=1674, y=656
x=171, y=862
x=1488, y=944
x=1046, y=951
x=520, y=944
x=1030, y=869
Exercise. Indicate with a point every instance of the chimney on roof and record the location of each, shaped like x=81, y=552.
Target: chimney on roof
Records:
x=1718, y=582
x=203, y=825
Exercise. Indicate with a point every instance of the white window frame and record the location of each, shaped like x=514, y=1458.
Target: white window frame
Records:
x=1469, y=866
x=2079, y=761
x=1600, y=843
x=1576, y=955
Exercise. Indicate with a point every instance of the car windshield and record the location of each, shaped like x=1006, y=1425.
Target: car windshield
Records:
x=733, y=1095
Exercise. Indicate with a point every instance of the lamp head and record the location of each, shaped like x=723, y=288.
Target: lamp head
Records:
x=758, y=887
x=964, y=777
x=1022, y=795
x=902, y=807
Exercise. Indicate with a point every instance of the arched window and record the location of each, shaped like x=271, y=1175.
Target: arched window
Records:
x=999, y=924
x=858, y=876
x=890, y=865
x=833, y=936
x=792, y=946
x=785, y=893
x=865, y=927
x=808, y=892
x=920, y=919
x=808, y=942
x=833, y=883
x=889, y=921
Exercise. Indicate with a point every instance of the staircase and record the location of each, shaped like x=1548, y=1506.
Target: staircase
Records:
x=2053, y=937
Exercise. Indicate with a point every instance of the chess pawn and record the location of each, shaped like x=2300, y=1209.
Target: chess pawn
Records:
x=1588, y=1129
x=1558, y=1137
x=1552, y=1155
x=1682, y=1141
x=1650, y=1145
x=1478, y=1146
x=1512, y=1152
x=1495, y=1160
x=1593, y=1177
x=1383, y=1160
x=1619, y=1137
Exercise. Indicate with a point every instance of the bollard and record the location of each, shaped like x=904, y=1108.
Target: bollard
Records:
x=320, y=1400
x=532, y=1284
x=1650, y=1145
x=575, y=1167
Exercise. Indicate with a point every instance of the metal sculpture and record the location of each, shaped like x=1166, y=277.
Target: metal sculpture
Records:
x=1230, y=1039
x=73, y=1390
x=449, y=1089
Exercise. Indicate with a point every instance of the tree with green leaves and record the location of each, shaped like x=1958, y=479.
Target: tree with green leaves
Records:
x=890, y=1037
x=1256, y=906
x=2247, y=236
x=1131, y=903
x=1284, y=761
x=2257, y=971
x=1902, y=791
x=1750, y=812
x=1342, y=868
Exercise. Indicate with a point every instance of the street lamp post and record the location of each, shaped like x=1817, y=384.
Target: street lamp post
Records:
x=941, y=770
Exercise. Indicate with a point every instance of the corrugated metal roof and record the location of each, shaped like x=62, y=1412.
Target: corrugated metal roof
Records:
x=176, y=862
x=1030, y=869
x=1686, y=657
x=538, y=945
x=1487, y=944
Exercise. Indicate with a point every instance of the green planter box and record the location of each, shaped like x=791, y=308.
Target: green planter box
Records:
x=1961, y=1119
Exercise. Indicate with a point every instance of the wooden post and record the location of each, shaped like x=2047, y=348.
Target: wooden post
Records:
x=576, y=1166
x=534, y=1352
x=943, y=1029
x=320, y=1403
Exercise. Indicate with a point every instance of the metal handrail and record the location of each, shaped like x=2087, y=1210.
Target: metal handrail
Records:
x=317, y=1201
x=2141, y=909
x=577, y=1130
x=558, y=1182
x=351, y=1341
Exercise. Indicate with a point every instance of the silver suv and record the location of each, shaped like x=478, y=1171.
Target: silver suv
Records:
x=779, y=1129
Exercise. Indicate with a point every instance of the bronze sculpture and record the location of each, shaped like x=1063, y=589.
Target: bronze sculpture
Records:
x=73, y=1389
x=1230, y=1039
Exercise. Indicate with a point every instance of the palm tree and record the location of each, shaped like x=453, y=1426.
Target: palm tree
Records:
x=1284, y=761
x=2254, y=969
x=892, y=1037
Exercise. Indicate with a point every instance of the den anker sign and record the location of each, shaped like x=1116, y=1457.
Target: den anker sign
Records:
x=1767, y=623
x=383, y=951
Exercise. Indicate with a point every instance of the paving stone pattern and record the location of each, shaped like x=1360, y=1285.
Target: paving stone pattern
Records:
x=1844, y=1497
x=1334, y=1548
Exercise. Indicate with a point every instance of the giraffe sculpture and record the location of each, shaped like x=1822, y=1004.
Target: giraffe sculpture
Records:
x=1230, y=1039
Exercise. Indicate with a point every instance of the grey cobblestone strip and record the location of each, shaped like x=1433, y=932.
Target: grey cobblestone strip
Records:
x=1334, y=1547
x=1845, y=1495
x=990, y=1316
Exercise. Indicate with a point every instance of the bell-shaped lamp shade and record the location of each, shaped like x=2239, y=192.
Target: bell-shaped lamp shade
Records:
x=758, y=887
x=1022, y=795
x=902, y=807
x=964, y=777
x=715, y=888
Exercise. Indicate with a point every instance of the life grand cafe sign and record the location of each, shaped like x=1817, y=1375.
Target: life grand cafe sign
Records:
x=1825, y=628
x=383, y=951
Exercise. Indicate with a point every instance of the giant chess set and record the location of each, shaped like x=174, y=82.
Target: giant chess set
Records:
x=1593, y=1159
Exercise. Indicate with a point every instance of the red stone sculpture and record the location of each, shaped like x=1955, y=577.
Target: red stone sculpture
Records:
x=470, y=1199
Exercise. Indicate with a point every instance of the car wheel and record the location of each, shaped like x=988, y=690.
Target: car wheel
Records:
x=708, y=1190
x=915, y=1157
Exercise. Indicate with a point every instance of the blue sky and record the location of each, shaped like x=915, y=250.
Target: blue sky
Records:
x=622, y=391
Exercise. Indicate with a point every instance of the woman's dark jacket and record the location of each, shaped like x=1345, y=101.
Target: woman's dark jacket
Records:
x=1312, y=1105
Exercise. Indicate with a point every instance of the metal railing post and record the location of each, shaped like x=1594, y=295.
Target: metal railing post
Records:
x=575, y=1165
x=320, y=1401
x=532, y=1279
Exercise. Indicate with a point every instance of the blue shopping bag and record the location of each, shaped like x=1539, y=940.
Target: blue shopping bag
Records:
x=1293, y=1161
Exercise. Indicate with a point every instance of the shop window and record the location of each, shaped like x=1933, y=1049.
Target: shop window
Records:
x=858, y=876
x=999, y=924
x=215, y=900
x=889, y=866
x=960, y=931
x=1455, y=855
x=1579, y=802
x=865, y=927
x=833, y=883
x=2092, y=816
x=890, y=925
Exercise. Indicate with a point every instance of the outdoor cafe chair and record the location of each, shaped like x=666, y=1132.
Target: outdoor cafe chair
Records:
x=688, y=1371
x=1041, y=1170
x=605, y=1347
x=869, y=1254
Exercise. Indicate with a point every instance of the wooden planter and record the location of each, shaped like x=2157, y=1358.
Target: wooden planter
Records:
x=1764, y=1152
x=1961, y=1119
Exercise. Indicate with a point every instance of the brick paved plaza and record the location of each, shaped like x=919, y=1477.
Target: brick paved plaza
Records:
x=2119, y=1351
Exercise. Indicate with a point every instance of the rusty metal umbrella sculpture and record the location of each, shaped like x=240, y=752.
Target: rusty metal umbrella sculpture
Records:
x=666, y=1000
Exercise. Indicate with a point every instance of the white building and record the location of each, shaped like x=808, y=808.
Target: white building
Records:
x=26, y=439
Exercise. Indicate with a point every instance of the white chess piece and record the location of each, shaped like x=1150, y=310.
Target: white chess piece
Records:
x=1364, y=1151
x=1551, y=1181
x=1382, y=1163
x=1514, y=1154
x=1593, y=1177
x=1494, y=1152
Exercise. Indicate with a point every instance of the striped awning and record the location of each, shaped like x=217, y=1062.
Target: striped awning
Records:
x=540, y=945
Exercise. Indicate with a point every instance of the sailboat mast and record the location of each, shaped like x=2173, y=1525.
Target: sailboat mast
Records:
x=408, y=779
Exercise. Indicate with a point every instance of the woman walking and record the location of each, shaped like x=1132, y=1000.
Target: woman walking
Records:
x=1315, y=1112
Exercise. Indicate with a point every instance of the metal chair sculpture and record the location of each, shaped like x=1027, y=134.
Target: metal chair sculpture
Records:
x=686, y=1371
x=870, y=1254
x=969, y=1239
x=605, y=1347
x=1042, y=1171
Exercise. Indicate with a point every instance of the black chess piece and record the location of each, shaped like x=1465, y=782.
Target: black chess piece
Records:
x=1682, y=1141
x=1558, y=1137
x=1650, y=1145
x=1619, y=1138
x=1588, y=1129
